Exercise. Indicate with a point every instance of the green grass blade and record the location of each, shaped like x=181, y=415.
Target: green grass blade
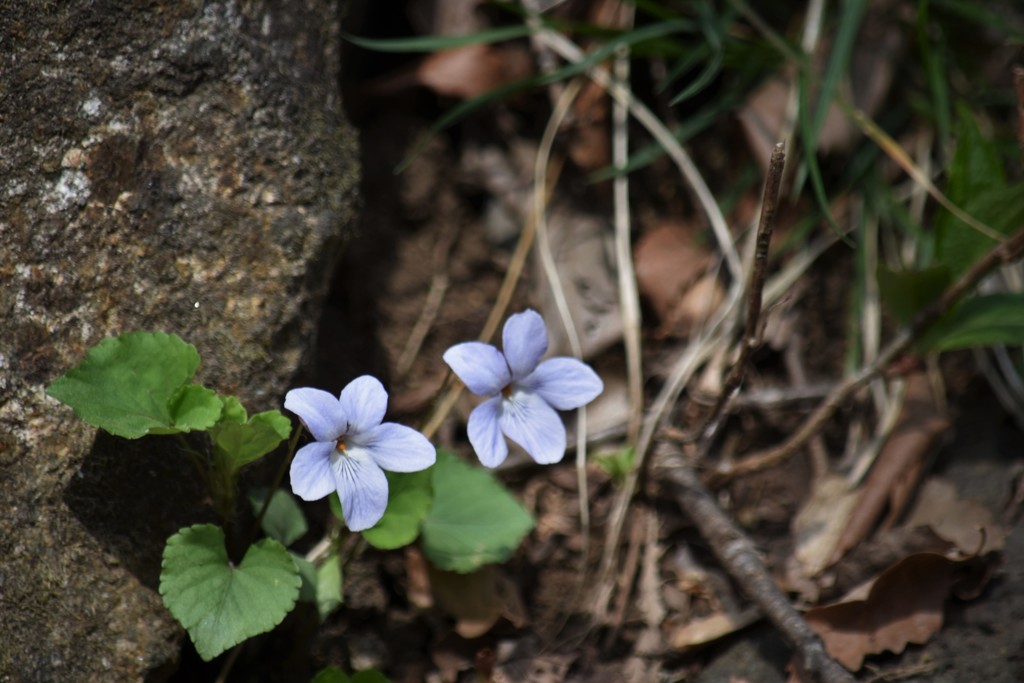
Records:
x=435, y=43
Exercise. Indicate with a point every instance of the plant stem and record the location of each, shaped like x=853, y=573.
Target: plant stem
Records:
x=292, y=443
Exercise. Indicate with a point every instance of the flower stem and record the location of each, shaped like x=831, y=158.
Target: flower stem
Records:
x=292, y=443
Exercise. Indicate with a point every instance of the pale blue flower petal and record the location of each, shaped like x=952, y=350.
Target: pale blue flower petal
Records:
x=529, y=421
x=311, y=474
x=481, y=367
x=362, y=488
x=364, y=402
x=485, y=434
x=320, y=412
x=565, y=383
x=524, y=341
x=395, y=447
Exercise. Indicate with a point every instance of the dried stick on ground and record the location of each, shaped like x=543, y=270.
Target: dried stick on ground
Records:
x=1006, y=252
x=740, y=558
x=755, y=288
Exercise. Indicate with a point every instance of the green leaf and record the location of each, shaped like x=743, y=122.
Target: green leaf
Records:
x=617, y=464
x=233, y=411
x=334, y=502
x=193, y=406
x=329, y=594
x=238, y=441
x=474, y=519
x=959, y=246
x=307, y=572
x=125, y=385
x=284, y=521
x=409, y=496
x=906, y=293
x=434, y=43
x=981, y=321
x=333, y=674
x=221, y=605
x=977, y=184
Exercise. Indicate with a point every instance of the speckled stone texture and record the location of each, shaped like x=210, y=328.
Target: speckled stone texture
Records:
x=180, y=166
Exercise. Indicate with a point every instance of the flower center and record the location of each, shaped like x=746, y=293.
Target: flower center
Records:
x=341, y=444
x=507, y=391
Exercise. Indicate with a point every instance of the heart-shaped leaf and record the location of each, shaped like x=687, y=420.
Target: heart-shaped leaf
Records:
x=474, y=520
x=139, y=383
x=219, y=604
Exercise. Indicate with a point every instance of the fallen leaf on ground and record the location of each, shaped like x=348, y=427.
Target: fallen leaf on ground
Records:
x=672, y=274
x=476, y=600
x=818, y=526
x=966, y=523
x=472, y=70
x=890, y=485
x=708, y=629
x=903, y=605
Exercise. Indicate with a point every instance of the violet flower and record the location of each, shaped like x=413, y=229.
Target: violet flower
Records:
x=522, y=393
x=353, y=448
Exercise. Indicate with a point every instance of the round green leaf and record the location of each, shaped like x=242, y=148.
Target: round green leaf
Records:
x=221, y=605
x=125, y=384
x=409, y=496
x=474, y=520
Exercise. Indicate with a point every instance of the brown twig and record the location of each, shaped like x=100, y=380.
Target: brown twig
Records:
x=755, y=289
x=740, y=558
x=1005, y=252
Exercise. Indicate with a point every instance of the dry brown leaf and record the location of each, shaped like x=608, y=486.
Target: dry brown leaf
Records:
x=418, y=589
x=903, y=605
x=967, y=524
x=889, y=486
x=819, y=525
x=472, y=599
x=702, y=631
x=671, y=272
x=472, y=70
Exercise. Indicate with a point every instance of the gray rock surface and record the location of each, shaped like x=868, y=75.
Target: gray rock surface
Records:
x=178, y=165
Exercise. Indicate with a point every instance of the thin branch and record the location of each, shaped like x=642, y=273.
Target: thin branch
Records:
x=740, y=558
x=755, y=289
x=1005, y=252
